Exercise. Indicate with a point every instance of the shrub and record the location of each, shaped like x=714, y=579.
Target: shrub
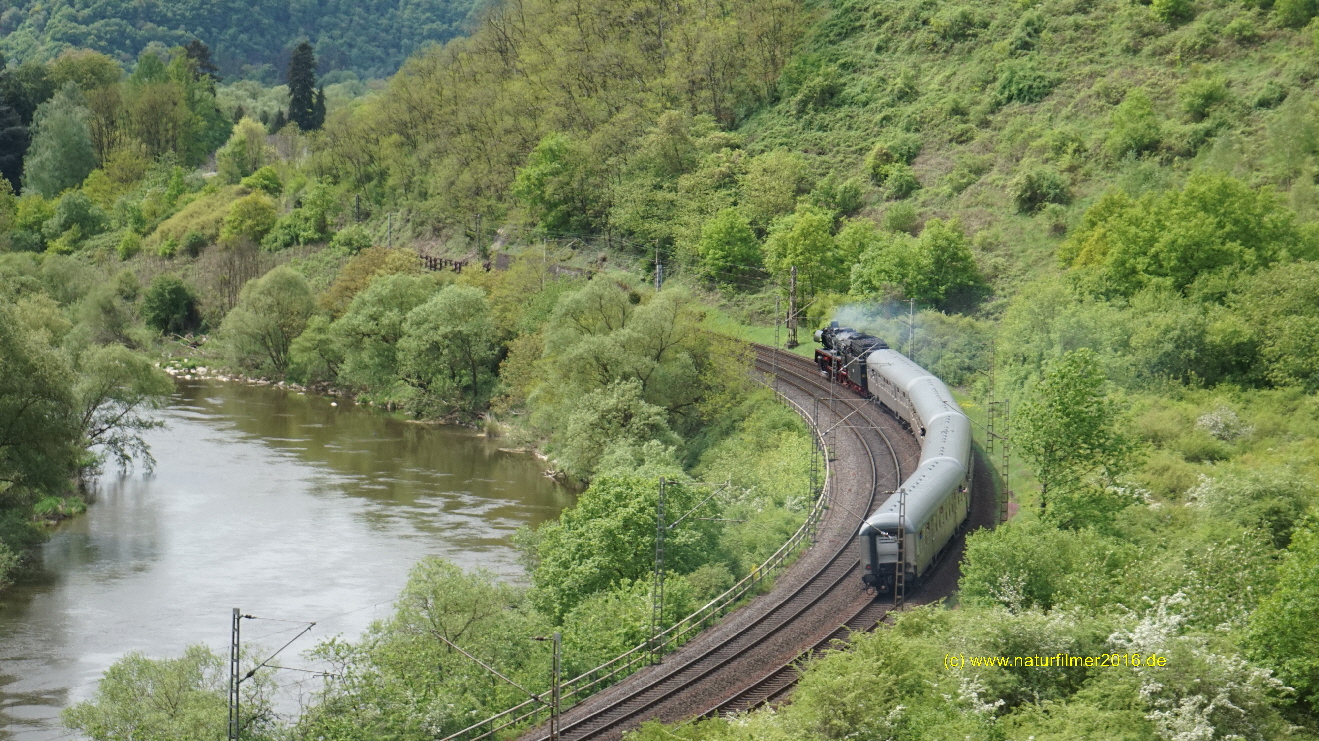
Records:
x=130, y=244
x=170, y=306
x=1027, y=32
x=251, y=218
x=901, y=181
x=956, y=23
x=75, y=210
x=352, y=239
x=1035, y=186
x=1295, y=13
x=264, y=179
x=1271, y=95
x=1172, y=11
x=899, y=149
x=1135, y=127
x=1022, y=81
x=204, y=215
x=901, y=217
x=1197, y=97
x=1242, y=29
x=193, y=243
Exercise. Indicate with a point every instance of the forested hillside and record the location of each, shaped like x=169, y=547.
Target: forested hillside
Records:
x=249, y=40
x=1103, y=212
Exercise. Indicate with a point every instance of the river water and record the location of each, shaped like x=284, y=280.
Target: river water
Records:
x=279, y=503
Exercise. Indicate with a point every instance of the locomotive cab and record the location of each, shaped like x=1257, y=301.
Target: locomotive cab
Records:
x=842, y=355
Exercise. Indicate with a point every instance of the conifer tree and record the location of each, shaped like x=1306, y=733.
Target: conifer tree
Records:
x=13, y=144
x=302, y=87
x=318, y=109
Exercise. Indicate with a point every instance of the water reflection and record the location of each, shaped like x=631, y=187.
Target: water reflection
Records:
x=264, y=499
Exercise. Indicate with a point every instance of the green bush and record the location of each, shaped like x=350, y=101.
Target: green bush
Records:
x=1027, y=32
x=901, y=181
x=1270, y=96
x=170, y=306
x=1135, y=128
x=1198, y=97
x=901, y=217
x=130, y=244
x=1295, y=13
x=193, y=243
x=264, y=179
x=1241, y=29
x=1172, y=11
x=1036, y=185
x=352, y=239
x=896, y=149
x=204, y=215
x=1022, y=81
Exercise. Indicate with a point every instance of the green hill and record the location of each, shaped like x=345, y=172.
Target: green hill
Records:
x=369, y=38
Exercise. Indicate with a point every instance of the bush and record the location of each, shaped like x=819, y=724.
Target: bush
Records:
x=170, y=306
x=901, y=217
x=1197, y=97
x=1022, y=81
x=1135, y=127
x=1295, y=13
x=204, y=216
x=1036, y=185
x=1027, y=32
x=895, y=149
x=1271, y=95
x=352, y=239
x=193, y=243
x=1242, y=29
x=1172, y=11
x=251, y=218
x=901, y=181
x=130, y=244
x=74, y=210
x=264, y=179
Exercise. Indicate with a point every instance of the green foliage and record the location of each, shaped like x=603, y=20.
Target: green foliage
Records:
x=1172, y=11
x=61, y=153
x=729, y=249
x=1134, y=127
x=115, y=391
x=608, y=539
x=247, y=40
x=1280, y=307
x=205, y=216
x=1199, y=97
x=1294, y=13
x=271, y=312
x=605, y=420
x=560, y=186
x=351, y=239
x=373, y=326
x=1070, y=429
x=448, y=350
x=75, y=211
x=245, y=153
x=250, y=218
x=1035, y=186
x=932, y=268
x=1193, y=240
x=1022, y=81
x=185, y=697
x=264, y=179
x=170, y=306
x=1282, y=631
x=804, y=240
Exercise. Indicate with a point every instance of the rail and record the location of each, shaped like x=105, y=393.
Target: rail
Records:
x=587, y=683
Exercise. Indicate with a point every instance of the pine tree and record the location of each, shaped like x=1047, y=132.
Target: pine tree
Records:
x=302, y=87
x=318, y=109
x=13, y=145
x=201, y=54
x=279, y=122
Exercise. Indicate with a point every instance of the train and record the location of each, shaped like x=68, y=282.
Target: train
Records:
x=933, y=503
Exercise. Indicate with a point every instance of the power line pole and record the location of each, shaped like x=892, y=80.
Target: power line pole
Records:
x=391, y=231
x=911, y=327
x=234, y=680
x=657, y=598
x=900, y=567
x=792, y=308
x=557, y=670
x=659, y=268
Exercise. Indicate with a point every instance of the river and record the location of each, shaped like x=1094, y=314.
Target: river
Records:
x=283, y=504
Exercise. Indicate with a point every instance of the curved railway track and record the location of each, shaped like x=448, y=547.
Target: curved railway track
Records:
x=750, y=657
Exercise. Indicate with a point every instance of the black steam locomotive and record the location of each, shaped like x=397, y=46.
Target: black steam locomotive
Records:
x=843, y=355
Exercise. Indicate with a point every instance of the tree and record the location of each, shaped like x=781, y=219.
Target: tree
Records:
x=370, y=331
x=302, y=87
x=608, y=540
x=448, y=349
x=318, y=110
x=271, y=312
x=1197, y=240
x=38, y=421
x=170, y=306
x=730, y=252
x=145, y=698
x=115, y=386
x=1135, y=127
x=250, y=218
x=606, y=418
x=1281, y=305
x=13, y=144
x=561, y=185
x=361, y=270
x=1282, y=629
x=804, y=239
x=61, y=154
x=932, y=268
x=244, y=153
x=200, y=54
x=1070, y=429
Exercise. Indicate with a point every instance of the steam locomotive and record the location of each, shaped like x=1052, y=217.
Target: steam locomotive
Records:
x=934, y=501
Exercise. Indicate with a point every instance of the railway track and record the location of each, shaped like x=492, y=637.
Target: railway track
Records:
x=723, y=670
